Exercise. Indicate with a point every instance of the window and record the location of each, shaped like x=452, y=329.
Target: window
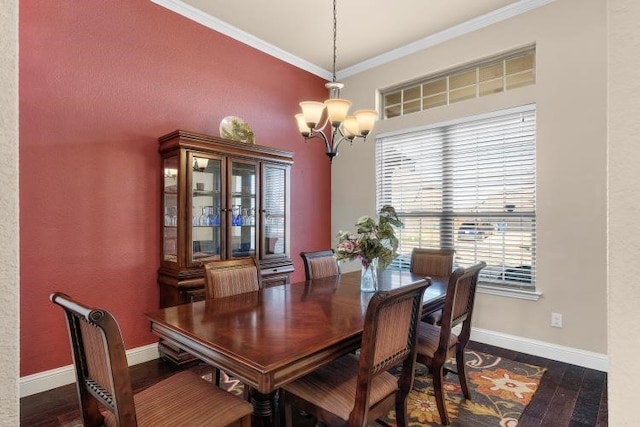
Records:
x=467, y=185
x=493, y=75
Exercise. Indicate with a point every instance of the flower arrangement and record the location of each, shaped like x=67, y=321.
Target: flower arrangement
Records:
x=371, y=240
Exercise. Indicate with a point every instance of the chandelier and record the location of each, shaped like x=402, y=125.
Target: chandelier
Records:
x=315, y=115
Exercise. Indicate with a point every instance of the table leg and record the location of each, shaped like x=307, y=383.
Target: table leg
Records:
x=265, y=409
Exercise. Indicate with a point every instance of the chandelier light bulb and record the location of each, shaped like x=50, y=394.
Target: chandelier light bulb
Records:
x=350, y=127
x=302, y=125
x=366, y=120
x=312, y=111
x=337, y=110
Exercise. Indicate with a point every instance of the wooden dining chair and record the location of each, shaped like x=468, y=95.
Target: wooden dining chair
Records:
x=104, y=386
x=355, y=391
x=231, y=277
x=432, y=262
x=320, y=264
x=436, y=344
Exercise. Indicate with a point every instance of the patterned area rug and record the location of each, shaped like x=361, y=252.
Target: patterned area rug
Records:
x=500, y=391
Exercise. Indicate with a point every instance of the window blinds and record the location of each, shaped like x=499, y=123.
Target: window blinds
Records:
x=470, y=186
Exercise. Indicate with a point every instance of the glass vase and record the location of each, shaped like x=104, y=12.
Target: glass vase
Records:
x=369, y=276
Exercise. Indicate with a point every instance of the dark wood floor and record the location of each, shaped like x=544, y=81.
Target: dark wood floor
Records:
x=568, y=395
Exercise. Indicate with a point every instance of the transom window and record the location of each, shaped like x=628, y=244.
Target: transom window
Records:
x=467, y=185
x=494, y=75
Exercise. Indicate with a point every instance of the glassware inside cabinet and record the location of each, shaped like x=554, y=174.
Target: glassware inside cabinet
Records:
x=206, y=201
x=170, y=209
x=243, y=203
x=275, y=210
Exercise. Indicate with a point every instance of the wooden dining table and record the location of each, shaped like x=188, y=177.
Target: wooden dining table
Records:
x=270, y=337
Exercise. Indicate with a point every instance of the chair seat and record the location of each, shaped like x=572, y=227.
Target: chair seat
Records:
x=434, y=318
x=429, y=338
x=333, y=387
x=186, y=399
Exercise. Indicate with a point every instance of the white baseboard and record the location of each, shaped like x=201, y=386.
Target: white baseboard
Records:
x=586, y=359
x=58, y=377
x=47, y=380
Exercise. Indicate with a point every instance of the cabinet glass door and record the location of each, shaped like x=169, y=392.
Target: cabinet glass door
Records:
x=206, y=219
x=274, y=211
x=170, y=208
x=243, y=206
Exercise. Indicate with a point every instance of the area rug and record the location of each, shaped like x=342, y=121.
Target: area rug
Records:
x=500, y=390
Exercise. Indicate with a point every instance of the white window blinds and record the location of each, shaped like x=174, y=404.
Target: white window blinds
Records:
x=470, y=186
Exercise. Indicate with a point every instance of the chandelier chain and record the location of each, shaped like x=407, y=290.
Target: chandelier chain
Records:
x=335, y=26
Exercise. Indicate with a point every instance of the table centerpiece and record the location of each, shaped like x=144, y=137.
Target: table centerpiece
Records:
x=374, y=244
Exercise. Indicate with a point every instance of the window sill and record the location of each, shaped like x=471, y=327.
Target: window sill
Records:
x=500, y=291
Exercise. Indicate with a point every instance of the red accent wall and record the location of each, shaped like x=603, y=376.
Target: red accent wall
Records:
x=99, y=83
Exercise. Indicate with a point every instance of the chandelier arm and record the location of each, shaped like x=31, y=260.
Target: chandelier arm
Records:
x=320, y=134
x=342, y=137
x=320, y=127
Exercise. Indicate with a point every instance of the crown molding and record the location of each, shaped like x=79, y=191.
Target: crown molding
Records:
x=475, y=24
x=216, y=24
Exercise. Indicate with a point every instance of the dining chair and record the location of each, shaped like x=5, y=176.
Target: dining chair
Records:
x=436, y=344
x=104, y=385
x=355, y=391
x=230, y=277
x=224, y=278
x=320, y=264
x=432, y=262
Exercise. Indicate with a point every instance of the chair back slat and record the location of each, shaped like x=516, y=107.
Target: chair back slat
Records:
x=232, y=277
x=393, y=329
x=462, y=300
x=98, y=372
x=458, y=305
x=432, y=262
x=324, y=267
x=102, y=371
x=320, y=264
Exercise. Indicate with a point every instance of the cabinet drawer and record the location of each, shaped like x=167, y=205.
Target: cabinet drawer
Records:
x=275, y=280
x=284, y=269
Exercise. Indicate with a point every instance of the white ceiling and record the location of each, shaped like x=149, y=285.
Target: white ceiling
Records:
x=369, y=32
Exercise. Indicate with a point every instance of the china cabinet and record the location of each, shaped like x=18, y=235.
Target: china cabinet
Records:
x=220, y=199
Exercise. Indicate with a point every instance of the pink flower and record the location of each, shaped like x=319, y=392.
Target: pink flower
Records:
x=347, y=246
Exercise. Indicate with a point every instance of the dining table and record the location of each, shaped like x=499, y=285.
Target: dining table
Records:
x=270, y=337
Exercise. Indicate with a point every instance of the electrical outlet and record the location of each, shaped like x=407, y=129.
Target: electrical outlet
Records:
x=556, y=320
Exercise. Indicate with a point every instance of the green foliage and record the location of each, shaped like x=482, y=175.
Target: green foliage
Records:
x=371, y=240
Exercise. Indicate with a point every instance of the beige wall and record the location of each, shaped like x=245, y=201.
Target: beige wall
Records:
x=624, y=206
x=9, y=283
x=570, y=94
